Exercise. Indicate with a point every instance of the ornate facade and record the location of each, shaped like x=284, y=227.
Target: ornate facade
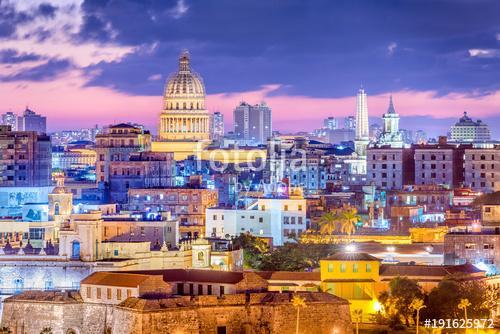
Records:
x=184, y=117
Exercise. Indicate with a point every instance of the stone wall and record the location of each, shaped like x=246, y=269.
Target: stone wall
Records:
x=262, y=313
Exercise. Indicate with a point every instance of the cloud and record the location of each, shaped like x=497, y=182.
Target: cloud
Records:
x=39, y=28
x=155, y=77
x=179, y=10
x=11, y=56
x=484, y=53
x=47, y=71
x=391, y=48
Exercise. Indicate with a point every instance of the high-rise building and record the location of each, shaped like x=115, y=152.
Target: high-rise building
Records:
x=25, y=158
x=184, y=117
x=252, y=123
x=116, y=144
x=217, y=126
x=375, y=131
x=362, y=130
x=390, y=134
x=466, y=130
x=330, y=123
x=350, y=123
x=9, y=118
x=31, y=121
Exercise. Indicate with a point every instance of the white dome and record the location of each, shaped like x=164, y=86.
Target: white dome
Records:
x=184, y=89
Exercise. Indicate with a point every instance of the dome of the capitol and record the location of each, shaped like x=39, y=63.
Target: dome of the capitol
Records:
x=184, y=89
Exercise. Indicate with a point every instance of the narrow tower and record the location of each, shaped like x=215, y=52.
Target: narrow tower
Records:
x=391, y=135
x=362, y=132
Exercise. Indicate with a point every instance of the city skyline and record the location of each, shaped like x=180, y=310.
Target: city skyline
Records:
x=86, y=61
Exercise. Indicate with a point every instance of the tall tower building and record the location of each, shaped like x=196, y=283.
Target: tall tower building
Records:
x=468, y=131
x=391, y=135
x=217, y=126
x=31, y=121
x=253, y=123
x=184, y=117
x=362, y=130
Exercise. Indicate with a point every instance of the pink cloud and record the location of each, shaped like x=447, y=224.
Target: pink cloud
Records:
x=68, y=104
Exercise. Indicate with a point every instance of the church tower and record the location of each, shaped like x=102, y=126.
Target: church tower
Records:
x=60, y=202
x=390, y=134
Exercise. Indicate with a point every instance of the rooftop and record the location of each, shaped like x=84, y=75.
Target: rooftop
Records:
x=348, y=256
x=115, y=279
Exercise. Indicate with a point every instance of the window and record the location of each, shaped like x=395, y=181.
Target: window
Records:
x=191, y=289
x=342, y=267
x=89, y=292
x=209, y=289
x=109, y=293
x=354, y=267
x=368, y=268
x=299, y=219
x=300, y=207
x=98, y=293
x=261, y=220
x=285, y=208
x=470, y=246
x=200, y=289
x=180, y=288
x=221, y=290
x=119, y=294
x=358, y=292
x=330, y=267
x=129, y=293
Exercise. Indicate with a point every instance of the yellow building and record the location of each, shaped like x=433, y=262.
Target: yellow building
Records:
x=355, y=277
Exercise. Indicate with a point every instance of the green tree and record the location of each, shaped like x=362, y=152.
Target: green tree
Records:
x=396, y=301
x=295, y=257
x=253, y=249
x=444, y=299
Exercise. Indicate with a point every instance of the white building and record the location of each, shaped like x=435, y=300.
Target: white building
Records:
x=362, y=127
x=466, y=130
x=271, y=218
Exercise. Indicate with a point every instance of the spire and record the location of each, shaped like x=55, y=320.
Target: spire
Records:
x=391, y=109
x=184, y=61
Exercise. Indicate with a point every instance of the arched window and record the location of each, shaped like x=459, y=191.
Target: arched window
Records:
x=75, y=249
x=201, y=256
x=56, y=209
x=18, y=285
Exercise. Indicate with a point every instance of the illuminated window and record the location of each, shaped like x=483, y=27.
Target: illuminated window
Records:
x=109, y=293
x=89, y=292
x=98, y=293
x=342, y=267
x=354, y=267
x=129, y=293
x=330, y=267
x=368, y=268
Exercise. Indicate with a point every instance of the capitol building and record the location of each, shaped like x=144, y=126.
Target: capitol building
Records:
x=184, y=116
x=185, y=122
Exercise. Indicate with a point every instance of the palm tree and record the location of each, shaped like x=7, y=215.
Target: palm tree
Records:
x=298, y=302
x=349, y=219
x=358, y=316
x=328, y=222
x=464, y=303
x=417, y=304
